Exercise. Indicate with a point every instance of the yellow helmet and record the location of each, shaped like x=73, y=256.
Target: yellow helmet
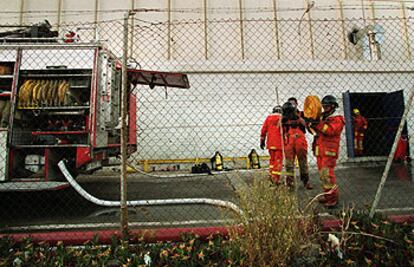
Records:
x=356, y=111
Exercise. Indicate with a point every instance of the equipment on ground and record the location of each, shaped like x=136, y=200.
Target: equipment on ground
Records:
x=217, y=162
x=254, y=159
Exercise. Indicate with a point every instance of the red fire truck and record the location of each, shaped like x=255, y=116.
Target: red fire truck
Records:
x=65, y=102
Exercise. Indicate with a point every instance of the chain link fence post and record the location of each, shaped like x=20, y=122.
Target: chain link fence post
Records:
x=124, y=132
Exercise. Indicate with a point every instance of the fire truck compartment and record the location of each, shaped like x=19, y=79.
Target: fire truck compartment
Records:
x=65, y=107
x=27, y=164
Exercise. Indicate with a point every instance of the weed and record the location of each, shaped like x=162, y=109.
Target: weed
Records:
x=273, y=231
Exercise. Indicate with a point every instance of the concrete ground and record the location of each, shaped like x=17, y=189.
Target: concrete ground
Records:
x=66, y=209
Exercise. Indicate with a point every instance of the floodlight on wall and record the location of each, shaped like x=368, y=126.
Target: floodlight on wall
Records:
x=370, y=38
x=352, y=35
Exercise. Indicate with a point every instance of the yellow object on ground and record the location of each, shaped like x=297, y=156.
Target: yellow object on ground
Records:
x=130, y=169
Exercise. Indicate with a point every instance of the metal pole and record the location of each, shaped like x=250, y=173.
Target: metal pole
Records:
x=96, y=20
x=205, y=31
x=391, y=155
x=59, y=14
x=372, y=5
x=405, y=30
x=131, y=44
x=241, y=29
x=169, y=31
x=282, y=135
x=344, y=37
x=124, y=132
x=21, y=12
x=312, y=45
x=363, y=12
x=276, y=29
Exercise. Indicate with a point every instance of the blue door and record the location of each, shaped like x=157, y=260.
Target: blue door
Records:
x=393, y=104
x=349, y=131
x=383, y=112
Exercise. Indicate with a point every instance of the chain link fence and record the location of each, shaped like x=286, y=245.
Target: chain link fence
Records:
x=239, y=70
x=190, y=151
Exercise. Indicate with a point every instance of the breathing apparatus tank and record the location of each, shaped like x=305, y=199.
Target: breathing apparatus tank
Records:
x=217, y=162
x=254, y=159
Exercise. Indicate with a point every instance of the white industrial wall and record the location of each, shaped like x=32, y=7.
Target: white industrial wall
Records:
x=225, y=112
x=192, y=130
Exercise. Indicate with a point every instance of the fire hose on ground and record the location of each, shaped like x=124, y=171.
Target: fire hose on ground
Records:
x=151, y=202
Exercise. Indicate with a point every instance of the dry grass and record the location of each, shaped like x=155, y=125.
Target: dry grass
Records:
x=274, y=230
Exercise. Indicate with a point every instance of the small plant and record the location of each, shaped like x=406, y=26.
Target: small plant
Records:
x=191, y=251
x=273, y=231
x=370, y=242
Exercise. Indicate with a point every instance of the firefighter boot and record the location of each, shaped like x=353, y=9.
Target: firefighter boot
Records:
x=290, y=182
x=274, y=180
x=331, y=199
x=322, y=199
x=306, y=182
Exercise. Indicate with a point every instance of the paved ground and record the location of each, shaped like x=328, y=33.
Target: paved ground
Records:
x=66, y=209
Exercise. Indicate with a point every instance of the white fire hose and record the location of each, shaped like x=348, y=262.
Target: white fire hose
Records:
x=150, y=202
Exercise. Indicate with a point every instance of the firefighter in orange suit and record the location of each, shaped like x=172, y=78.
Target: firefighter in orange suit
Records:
x=271, y=138
x=326, y=148
x=295, y=144
x=360, y=124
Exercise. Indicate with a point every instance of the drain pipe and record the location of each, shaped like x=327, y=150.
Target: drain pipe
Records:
x=374, y=48
x=151, y=202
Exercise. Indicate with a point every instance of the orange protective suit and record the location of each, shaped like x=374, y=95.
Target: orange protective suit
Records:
x=326, y=150
x=296, y=146
x=271, y=132
x=360, y=124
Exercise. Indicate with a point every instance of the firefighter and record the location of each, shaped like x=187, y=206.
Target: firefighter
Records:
x=296, y=146
x=271, y=138
x=326, y=148
x=294, y=102
x=360, y=124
